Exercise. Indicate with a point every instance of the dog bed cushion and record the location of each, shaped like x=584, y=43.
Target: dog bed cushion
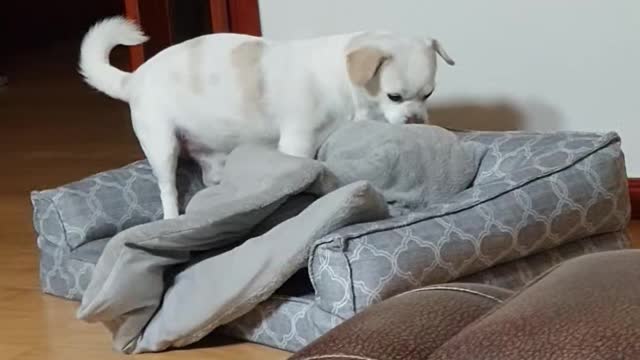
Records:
x=533, y=192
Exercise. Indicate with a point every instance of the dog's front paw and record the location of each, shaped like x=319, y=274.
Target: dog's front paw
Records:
x=361, y=116
x=300, y=144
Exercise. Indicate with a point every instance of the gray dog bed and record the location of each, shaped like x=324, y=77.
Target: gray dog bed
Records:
x=521, y=203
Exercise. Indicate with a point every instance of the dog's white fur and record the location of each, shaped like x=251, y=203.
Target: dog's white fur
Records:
x=221, y=90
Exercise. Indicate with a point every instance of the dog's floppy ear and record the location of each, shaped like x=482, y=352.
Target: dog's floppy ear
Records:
x=364, y=63
x=437, y=46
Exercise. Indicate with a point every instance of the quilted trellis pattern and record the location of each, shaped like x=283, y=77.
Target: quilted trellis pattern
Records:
x=104, y=204
x=537, y=199
x=514, y=157
x=291, y=323
x=283, y=322
x=516, y=274
x=533, y=192
x=60, y=273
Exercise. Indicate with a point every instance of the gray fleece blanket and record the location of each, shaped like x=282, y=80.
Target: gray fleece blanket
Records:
x=169, y=283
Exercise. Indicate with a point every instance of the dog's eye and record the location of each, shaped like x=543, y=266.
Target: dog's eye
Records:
x=395, y=97
x=427, y=96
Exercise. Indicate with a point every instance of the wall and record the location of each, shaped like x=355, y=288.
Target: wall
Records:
x=539, y=65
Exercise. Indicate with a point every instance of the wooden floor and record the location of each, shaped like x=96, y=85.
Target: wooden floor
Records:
x=56, y=130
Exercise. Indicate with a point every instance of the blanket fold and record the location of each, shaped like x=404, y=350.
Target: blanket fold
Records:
x=129, y=282
x=169, y=283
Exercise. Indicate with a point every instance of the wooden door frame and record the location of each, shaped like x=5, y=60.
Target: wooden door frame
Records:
x=634, y=195
x=236, y=16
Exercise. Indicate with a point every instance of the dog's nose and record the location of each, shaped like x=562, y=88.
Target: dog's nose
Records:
x=414, y=119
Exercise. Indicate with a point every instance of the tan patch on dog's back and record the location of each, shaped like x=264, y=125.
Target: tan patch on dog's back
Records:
x=246, y=61
x=195, y=67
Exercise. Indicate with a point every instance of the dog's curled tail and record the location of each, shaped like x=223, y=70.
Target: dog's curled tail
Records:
x=94, y=55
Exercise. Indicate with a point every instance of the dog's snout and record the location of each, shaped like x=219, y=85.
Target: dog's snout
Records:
x=414, y=119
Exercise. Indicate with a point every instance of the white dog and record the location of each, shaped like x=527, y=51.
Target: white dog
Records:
x=221, y=90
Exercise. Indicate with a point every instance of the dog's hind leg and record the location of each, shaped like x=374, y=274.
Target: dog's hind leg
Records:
x=160, y=145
